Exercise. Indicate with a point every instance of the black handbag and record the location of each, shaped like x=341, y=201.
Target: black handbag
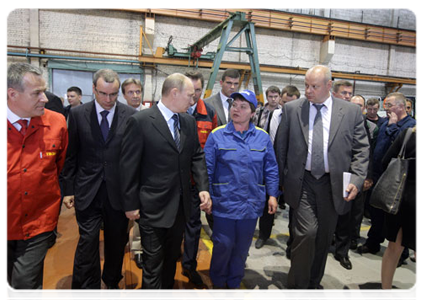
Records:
x=388, y=191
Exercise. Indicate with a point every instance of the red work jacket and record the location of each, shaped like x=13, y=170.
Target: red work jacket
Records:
x=34, y=162
x=206, y=119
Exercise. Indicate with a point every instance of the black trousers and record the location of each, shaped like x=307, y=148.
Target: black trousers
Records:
x=86, y=269
x=192, y=233
x=266, y=222
x=161, y=250
x=25, y=261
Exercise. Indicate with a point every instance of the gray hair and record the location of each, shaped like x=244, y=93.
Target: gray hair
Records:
x=108, y=76
x=16, y=73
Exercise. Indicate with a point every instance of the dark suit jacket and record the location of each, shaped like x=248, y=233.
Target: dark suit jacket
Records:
x=89, y=158
x=154, y=174
x=348, y=149
x=216, y=102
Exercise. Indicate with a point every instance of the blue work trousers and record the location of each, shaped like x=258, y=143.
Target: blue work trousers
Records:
x=231, y=242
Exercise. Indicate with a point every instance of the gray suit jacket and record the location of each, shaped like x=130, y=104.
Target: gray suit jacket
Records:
x=216, y=102
x=348, y=149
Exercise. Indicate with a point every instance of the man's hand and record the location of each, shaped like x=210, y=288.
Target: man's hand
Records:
x=273, y=205
x=133, y=214
x=205, y=202
x=393, y=118
x=352, y=192
x=69, y=201
x=368, y=183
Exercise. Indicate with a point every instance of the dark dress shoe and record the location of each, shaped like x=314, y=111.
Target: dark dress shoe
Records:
x=260, y=243
x=353, y=245
x=366, y=249
x=113, y=293
x=344, y=261
x=193, y=276
x=113, y=287
x=316, y=294
x=138, y=260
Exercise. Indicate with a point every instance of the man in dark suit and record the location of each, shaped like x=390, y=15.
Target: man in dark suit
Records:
x=315, y=145
x=91, y=182
x=160, y=152
x=230, y=84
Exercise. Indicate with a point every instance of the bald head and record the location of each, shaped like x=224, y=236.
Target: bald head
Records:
x=318, y=84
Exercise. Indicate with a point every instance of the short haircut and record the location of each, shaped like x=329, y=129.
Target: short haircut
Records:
x=16, y=73
x=399, y=98
x=373, y=101
x=75, y=89
x=232, y=73
x=291, y=90
x=175, y=80
x=337, y=84
x=108, y=76
x=131, y=81
x=411, y=102
x=273, y=89
x=195, y=75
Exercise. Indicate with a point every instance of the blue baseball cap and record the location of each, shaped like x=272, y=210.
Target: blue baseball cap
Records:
x=247, y=95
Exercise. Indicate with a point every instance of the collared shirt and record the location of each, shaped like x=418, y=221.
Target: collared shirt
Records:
x=225, y=104
x=326, y=111
x=13, y=119
x=191, y=110
x=110, y=115
x=274, y=123
x=167, y=114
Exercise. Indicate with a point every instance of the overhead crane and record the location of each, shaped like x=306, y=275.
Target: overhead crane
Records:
x=223, y=31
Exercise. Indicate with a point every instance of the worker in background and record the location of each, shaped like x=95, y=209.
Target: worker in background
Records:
x=132, y=92
x=262, y=118
x=342, y=89
x=74, y=95
x=222, y=101
x=206, y=119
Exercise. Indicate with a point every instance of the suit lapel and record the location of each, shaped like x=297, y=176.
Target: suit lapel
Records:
x=219, y=109
x=92, y=119
x=160, y=124
x=336, y=119
x=303, y=116
x=117, y=121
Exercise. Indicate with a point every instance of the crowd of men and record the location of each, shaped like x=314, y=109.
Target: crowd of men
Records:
x=77, y=156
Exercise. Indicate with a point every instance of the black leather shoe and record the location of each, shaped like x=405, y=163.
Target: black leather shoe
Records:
x=344, y=261
x=138, y=260
x=113, y=287
x=316, y=294
x=366, y=249
x=353, y=245
x=260, y=243
x=193, y=276
x=113, y=293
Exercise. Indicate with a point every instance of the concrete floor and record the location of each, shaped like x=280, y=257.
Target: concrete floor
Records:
x=267, y=268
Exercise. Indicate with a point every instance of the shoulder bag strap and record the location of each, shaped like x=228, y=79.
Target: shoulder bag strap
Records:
x=406, y=138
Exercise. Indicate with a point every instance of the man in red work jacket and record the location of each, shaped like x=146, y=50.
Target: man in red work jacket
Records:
x=37, y=140
x=206, y=118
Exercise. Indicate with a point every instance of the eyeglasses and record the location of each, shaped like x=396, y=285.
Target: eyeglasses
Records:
x=105, y=95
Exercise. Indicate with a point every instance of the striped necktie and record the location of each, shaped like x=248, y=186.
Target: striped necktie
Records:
x=176, y=134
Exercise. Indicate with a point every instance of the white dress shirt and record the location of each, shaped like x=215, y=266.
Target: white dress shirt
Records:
x=274, y=123
x=109, y=116
x=167, y=114
x=225, y=104
x=14, y=118
x=326, y=112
